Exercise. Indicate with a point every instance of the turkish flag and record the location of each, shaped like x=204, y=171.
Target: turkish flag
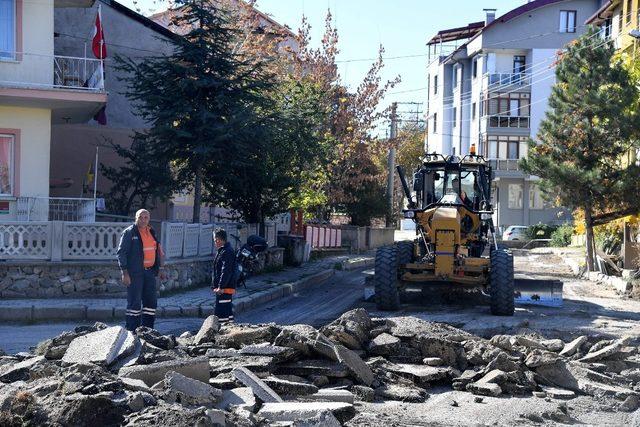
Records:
x=99, y=46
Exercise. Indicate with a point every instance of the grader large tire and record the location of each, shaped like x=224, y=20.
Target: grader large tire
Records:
x=385, y=278
x=501, y=287
x=405, y=252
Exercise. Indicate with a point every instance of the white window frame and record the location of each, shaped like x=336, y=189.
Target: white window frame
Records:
x=536, y=202
x=435, y=84
x=515, y=200
x=565, y=21
x=12, y=165
x=11, y=55
x=454, y=76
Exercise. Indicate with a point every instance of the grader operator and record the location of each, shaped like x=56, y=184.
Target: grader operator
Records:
x=454, y=226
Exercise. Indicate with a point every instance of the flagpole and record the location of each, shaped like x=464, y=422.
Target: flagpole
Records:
x=95, y=177
x=101, y=47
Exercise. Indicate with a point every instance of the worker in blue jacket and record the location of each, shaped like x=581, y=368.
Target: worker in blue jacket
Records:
x=140, y=259
x=224, y=277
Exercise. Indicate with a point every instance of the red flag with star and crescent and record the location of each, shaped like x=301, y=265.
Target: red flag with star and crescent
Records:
x=99, y=46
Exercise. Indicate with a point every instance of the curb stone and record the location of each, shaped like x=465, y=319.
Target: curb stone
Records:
x=87, y=312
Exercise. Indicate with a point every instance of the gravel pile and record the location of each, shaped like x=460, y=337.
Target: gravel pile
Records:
x=248, y=375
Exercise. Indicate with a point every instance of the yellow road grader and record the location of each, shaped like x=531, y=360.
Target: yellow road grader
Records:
x=455, y=244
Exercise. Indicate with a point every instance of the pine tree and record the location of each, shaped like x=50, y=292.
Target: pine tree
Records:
x=591, y=123
x=201, y=101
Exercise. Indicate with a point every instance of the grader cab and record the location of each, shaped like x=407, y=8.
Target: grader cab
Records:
x=455, y=243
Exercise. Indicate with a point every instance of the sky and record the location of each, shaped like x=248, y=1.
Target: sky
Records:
x=402, y=27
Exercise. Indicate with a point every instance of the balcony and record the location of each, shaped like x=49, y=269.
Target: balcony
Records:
x=493, y=81
x=55, y=209
x=508, y=121
x=72, y=88
x=506, y=165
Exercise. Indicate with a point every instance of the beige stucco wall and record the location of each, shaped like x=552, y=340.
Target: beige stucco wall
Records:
x=35, y=134
x=36, y=65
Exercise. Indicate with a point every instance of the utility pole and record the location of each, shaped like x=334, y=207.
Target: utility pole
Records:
x=393, y=133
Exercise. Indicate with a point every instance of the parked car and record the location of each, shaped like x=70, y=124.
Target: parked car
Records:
x=515, y=232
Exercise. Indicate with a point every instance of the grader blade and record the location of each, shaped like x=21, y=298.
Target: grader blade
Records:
x=542, y=292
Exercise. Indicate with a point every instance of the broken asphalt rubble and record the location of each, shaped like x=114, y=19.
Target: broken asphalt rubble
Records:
x=249, y=375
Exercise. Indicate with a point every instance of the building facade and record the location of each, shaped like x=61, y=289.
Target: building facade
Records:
x=488, y=88
x=38, y=90
x=74, y=143
x=619, y=21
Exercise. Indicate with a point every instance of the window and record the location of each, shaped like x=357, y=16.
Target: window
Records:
x=515, y=196
x=502, y=104
x=535, y=198
x=628, y=13
x=435, y=122
x=513, y=149
x=473, y=111
x=519, y=64
x=475, y=67
x=455, y=116
x=435, y=84
x=454, y=76
x=504, y=147
x=7, y=29
x=6, y=164
x=492, y=149
x=567, y=21
x=620, y=22
x=514, y=107
x=428, y=84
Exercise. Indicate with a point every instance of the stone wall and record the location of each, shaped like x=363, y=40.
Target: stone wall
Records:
x=91, y=279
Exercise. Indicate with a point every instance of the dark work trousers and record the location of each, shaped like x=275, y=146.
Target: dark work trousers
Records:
x=141, y=300
x=224, y=308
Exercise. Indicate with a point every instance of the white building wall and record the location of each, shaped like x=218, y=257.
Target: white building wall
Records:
x=541, y=85
x=36, y=65
x=34, y=125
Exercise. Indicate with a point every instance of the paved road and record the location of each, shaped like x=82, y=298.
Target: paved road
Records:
x=317, y=306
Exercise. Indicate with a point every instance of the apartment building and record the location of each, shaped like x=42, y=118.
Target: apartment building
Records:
x=619, y=21
x=39, y=89
x=488, y=87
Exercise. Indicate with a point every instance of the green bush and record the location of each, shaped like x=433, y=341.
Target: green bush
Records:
x=540, y=231
x=562, y=236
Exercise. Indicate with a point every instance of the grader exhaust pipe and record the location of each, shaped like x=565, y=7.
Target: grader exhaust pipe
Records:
x=405, y=187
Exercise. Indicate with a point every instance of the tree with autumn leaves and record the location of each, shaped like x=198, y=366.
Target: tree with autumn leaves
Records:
x=256, y=121
x=592, y=123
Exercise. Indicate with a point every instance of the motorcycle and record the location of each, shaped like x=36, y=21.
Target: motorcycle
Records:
x=247, y=257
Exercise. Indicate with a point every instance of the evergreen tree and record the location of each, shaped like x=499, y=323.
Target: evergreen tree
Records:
x=591, y=123
x=202, y=101
x=141, y=182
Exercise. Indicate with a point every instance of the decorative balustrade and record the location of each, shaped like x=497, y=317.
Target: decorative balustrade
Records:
x=27, y=240
x=97, y=241
x=69, y=241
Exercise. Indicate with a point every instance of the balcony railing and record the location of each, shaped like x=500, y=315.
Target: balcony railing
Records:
x=51, y=72
x=508, y=165
x=507, y=79
x=508, y=121
x=55, y=209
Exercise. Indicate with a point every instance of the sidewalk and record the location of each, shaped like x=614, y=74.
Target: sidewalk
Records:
x=192, y=303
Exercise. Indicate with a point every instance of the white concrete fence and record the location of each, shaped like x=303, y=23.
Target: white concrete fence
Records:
x=73, y=241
